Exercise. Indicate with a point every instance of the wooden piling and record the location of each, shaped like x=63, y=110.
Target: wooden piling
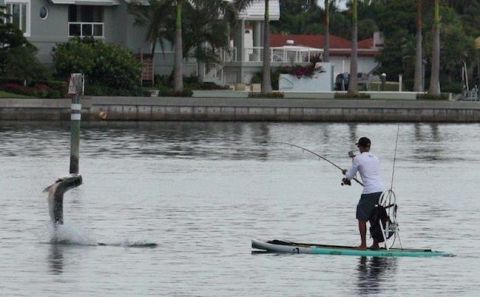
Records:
x=75, y=89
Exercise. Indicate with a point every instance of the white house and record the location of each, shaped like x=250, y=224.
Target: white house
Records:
x=340, y=49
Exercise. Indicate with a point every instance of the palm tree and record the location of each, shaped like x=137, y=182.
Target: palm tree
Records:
x=154, y=16
x=435, y=75
x=207, y=24
x=418, y=80
x=178, y=71
x=353, y=81
x=326, y=47
x=267, y=80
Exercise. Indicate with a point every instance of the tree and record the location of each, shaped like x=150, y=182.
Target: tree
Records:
x=353, y=81
x=298, y=17
x=418, y=80
x=207, y=29
x=178, y=72
x=155, y=17
x=460, y=49
x=266, y=76
x=17, y=55
x=326, y=48
x=434, y=89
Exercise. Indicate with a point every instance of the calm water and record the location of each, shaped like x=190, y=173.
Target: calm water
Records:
x=202, y=191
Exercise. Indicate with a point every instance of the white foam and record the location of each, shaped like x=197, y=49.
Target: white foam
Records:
x=69, y=234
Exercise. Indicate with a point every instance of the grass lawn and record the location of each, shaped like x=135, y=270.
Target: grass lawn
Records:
x=4, y=94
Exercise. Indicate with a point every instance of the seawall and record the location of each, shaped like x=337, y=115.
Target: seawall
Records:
x=242, y=109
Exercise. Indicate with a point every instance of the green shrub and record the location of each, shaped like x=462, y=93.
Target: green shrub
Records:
x=275, y=79
x=432, y=97
x=190, y=80
x=209, y=86
x=171, y=93
x=163, y=80
x=38, y=89
x=267, y=95
x=257, y=78
x=111, y=66
x=389, y=86
x=454, y=87
x=348, y=96
x=102, y=90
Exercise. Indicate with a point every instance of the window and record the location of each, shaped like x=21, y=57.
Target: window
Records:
x=85, y=14
x=85, y=21
x=44, y=13
x=19, y=14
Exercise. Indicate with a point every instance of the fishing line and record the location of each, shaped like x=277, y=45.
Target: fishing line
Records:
x=318, y=155
x=395, y=157
x=389, y=200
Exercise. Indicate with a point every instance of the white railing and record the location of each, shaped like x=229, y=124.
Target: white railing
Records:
x=213, y=73
x=86, y=29
x=295, y=55
x=229, y=55
x=278, y=55
x=253, y=54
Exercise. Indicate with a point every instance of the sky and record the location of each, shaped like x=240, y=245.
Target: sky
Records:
x=341, y=3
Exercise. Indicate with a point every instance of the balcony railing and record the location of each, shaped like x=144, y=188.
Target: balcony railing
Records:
x=295, y=55
x=85, y=29
x=280, y=55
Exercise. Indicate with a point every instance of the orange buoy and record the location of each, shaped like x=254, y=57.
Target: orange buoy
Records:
x=103, y=115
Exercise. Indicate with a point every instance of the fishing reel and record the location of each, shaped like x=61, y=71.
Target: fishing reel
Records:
x=345, y=181
x=351, y=154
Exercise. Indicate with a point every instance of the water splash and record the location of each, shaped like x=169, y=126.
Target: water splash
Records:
x=138, y=244
x=69, y=235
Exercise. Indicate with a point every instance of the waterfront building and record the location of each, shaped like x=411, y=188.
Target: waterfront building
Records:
x=46, y=23
x=340, y=49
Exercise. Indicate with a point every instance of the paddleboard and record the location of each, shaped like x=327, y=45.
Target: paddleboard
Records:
x=279, y=246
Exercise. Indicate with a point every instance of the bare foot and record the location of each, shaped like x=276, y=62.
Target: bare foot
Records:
x=374, y=247
x=362, y=247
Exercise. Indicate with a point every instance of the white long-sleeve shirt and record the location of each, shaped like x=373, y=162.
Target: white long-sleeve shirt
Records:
x=368, y=165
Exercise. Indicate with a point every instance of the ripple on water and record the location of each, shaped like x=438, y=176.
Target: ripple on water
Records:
x=202, y=191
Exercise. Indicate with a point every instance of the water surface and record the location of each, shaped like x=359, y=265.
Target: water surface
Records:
x=202, y=191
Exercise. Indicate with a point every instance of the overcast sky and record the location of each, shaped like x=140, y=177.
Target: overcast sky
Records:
x=341, y=3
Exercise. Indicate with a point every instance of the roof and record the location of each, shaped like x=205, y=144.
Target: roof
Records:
x=87, y=2
x=338, y=45
x=298, y=48
x=366, y=43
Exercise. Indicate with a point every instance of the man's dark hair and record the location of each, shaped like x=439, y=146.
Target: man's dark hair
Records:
x=364, y=142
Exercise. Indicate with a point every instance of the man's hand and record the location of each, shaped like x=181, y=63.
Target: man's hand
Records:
x=346, y=181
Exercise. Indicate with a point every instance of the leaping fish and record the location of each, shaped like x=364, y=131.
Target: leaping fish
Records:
x=55, y=196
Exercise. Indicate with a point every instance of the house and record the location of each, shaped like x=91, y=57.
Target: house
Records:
x=46, y=23
x=244, y=59
x=340, y=49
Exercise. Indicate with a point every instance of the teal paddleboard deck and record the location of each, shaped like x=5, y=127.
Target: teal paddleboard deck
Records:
x=279, y=246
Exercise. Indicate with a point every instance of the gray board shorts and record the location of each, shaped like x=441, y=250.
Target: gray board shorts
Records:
x=366, y=205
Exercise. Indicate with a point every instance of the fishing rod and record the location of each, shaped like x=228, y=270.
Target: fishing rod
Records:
x=319, y=156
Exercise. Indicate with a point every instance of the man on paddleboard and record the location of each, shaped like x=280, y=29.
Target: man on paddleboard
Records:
x=368, y=165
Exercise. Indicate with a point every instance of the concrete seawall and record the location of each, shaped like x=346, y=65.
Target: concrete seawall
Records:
x=242, y=109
